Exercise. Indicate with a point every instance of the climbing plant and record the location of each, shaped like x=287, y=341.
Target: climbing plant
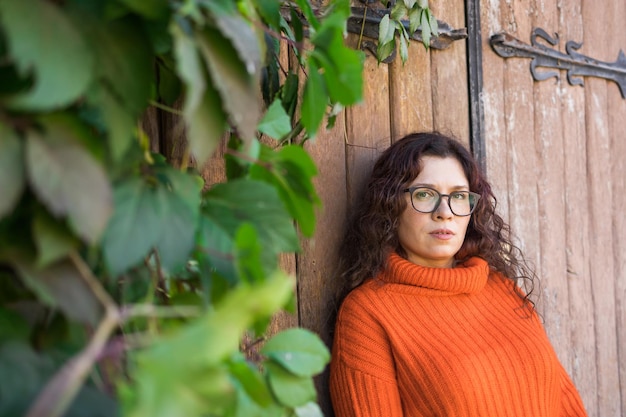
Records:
x=126, y=283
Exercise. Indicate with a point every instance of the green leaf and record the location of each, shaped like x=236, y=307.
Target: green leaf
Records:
x=386, y=30
x=125, y=60
x=234, y=80
x=409, y=3
x=190, y=69
x=152, y=9
x=314, y=100
x=289, y=94
x=187, y=187
x=289, y=389
x=61, y=285
x=232, y=203
x=432, y=22
x=169, y=85
x=54, y=241
x=414, y=19
x=270, y=11
x=291, y=171
x=180, y=211
x=310, y=409
x=24, y=373
x=398, y=11
x=299, y=351
x=383, y=51
x=44, y=42
x=161, y=216
x=248, y=254
x=206, y=125
x=426, y=32
x=67, y=179
x=120, y=123
x=404, y=48
x=342, y=66
x=276, y=122
x=241, y=35
x=134, y=227
x=13, y=327
x=198, y=378
x=12, y=178
x=309, y=15
x=217, y=246
x=250, y=379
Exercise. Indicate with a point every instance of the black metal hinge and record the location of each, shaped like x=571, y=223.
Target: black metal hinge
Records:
x=576, y=65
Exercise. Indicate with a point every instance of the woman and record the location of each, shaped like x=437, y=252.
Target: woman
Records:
x=434, y=324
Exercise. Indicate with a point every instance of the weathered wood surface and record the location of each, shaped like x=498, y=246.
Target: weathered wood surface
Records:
x=549, y=145
x=617, y=145
x=449, y=76
x=368, y=128
x=600, y=197
x=556, y=151
x=411, y=95
x=582, y=342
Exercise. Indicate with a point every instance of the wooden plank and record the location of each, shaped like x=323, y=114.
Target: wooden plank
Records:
x=150, y=125
x=599, y=182
x=366, y=134
x=317, y=262
x=493, y=101
x=411, y=102
x=368, y=130
x=522, y=154
x=549, y=145
x=449, y=76
x=617, y=145
x=582, y=345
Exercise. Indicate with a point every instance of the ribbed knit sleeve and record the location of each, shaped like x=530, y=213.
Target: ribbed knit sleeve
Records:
x=362, y=374
x=572, y=404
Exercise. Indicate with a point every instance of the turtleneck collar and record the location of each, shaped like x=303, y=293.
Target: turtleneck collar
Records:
x=466, y=278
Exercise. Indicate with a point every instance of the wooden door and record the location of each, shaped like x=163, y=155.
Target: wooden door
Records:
x=554, y=153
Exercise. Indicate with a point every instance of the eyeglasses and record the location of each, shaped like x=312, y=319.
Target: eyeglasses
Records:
x=427, y=200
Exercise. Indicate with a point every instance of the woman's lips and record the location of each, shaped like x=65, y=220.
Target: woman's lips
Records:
x=443, y=234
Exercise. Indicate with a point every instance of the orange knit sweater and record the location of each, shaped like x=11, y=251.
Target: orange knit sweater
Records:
x=419, y=341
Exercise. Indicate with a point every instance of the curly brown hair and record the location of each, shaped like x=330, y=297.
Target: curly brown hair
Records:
x=373, y=233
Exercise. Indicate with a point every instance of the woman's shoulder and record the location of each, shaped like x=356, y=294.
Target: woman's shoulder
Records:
x=364, y=298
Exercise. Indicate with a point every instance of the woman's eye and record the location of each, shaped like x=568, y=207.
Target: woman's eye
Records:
x=424, y=194
x=459, y=196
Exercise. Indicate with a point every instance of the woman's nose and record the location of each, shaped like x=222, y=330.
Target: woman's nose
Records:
x=443, y=210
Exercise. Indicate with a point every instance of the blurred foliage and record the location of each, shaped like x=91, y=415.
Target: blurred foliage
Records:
x=126, y=284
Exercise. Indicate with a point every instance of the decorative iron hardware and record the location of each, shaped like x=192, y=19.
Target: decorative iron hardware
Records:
x=577, y=65
x=366, y=20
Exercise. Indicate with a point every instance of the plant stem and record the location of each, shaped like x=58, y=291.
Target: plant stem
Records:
x=61, y=390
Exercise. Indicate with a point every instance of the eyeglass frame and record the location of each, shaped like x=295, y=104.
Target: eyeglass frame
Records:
x=440, y=198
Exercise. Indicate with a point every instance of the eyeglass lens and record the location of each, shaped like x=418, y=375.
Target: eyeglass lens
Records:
x=426, y=200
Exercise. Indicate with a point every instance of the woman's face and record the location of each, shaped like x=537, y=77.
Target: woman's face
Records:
x=432, y=239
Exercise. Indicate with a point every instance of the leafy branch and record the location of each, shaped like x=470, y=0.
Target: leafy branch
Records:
x=127, y=283
x=418, y=15
x=116, y=265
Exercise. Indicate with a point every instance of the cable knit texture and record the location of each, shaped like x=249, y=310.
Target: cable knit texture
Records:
x=418, y=341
